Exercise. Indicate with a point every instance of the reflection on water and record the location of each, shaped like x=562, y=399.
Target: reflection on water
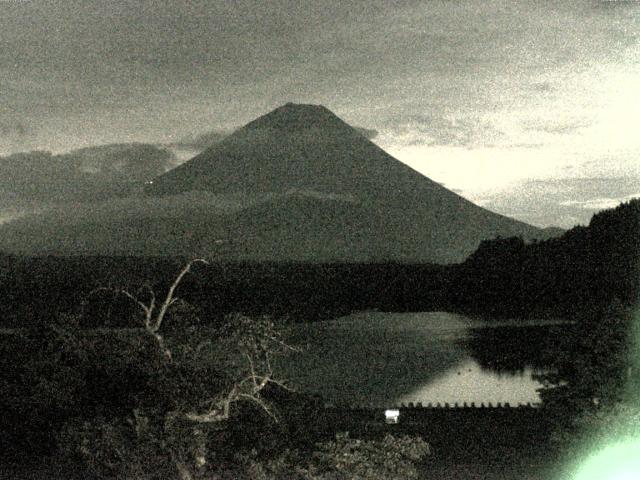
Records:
x=469, y=382
x=387, y=358
x=511, y=349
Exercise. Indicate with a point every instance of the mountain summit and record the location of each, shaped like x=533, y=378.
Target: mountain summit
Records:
x=294, y=146
x=298, y=117
x=296, y=184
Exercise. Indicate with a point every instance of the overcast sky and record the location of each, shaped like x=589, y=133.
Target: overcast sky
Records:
x=483, y=96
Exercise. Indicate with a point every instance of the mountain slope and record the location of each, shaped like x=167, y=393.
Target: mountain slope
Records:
x=397, y=213
x=306, y=187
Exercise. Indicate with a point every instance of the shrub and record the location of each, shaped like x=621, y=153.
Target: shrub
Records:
x=346, y=458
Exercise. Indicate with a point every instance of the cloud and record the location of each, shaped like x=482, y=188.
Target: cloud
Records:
x=82, y=175
x=443, y=130
x=560, y=202
x=555, y=126
x=10, y=129
x=601, y=203
x=542, y=87
x=367, y=132
x=559, y=129
x=610, y=4
x=136, y=162
x=14, y=131
x=201, y=141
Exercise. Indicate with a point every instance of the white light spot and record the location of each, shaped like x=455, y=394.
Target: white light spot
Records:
x=392, y=416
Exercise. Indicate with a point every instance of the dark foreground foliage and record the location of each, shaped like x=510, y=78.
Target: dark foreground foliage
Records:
x=159, y=402
x=110, y=402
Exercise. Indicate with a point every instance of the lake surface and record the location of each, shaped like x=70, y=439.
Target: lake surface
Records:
x=384, y=359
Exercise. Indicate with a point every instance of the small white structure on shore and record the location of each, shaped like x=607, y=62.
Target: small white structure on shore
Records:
x=392, y=416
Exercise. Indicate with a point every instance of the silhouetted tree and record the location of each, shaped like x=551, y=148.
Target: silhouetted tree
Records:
x=192, y=389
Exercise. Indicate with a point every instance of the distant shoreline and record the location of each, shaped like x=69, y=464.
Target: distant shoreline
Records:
x=482, y=322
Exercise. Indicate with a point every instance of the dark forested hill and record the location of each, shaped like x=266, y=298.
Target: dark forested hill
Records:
x=585, y=268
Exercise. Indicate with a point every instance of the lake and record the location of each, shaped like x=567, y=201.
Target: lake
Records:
x=384, y=359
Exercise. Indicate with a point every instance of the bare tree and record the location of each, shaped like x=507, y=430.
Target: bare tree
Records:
x=246, y=349
x=242, y=353
x=154, y=316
